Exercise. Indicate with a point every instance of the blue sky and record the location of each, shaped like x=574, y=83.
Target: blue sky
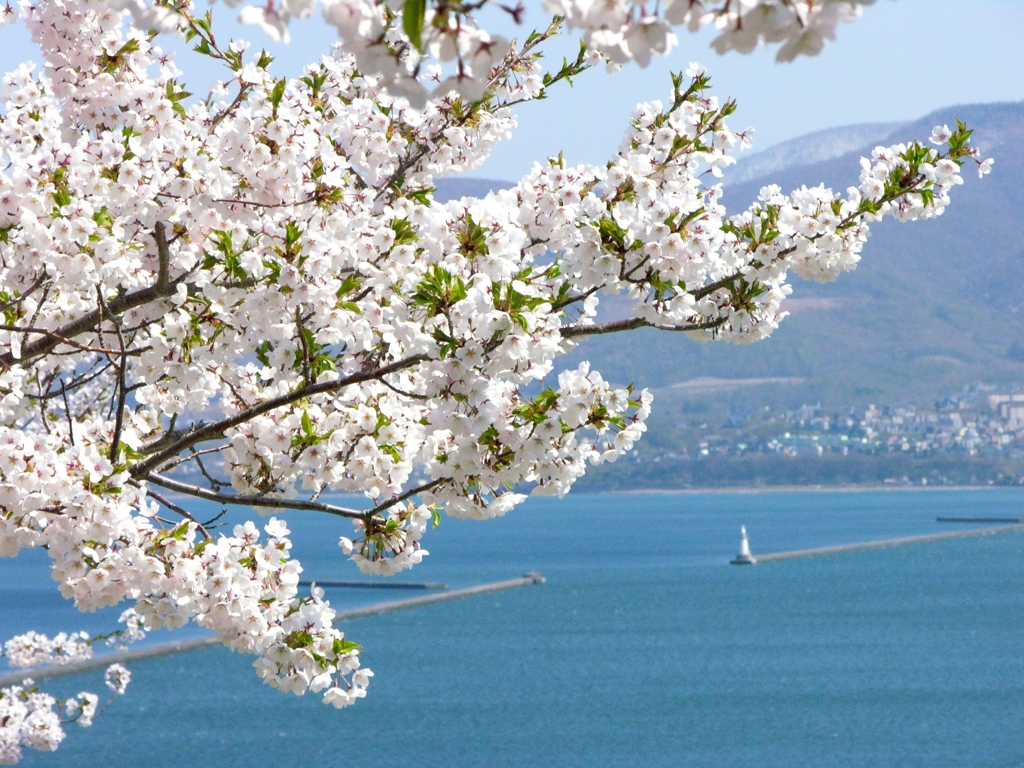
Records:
x=902, y=59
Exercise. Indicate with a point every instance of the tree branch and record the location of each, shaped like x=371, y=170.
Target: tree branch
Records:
x=256, y=500
x=122, y=384
x=87, y=322
x=163, y=249
x=408, y=494
x=67, y=412
x=634, y=323
x=215, y=429
x=58, y=339
x=243, y=92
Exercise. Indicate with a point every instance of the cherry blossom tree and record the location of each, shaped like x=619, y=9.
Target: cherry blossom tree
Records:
x=254, y=299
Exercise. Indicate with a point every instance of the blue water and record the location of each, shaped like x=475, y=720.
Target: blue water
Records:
x=644, y=648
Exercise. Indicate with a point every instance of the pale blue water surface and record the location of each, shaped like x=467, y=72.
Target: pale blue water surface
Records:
x=644, y=648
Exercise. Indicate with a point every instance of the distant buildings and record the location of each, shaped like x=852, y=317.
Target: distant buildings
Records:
x=1010, y=408
x=977, y=421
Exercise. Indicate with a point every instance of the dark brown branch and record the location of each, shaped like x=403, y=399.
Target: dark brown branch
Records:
x=255, y=500
x=67, y=412
x=634, y=323
x=216, y=428
x=58, y=339
x=163, y=249
x=122, y=383
x=65, y=333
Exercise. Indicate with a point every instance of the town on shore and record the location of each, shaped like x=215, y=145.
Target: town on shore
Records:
x=974, y=437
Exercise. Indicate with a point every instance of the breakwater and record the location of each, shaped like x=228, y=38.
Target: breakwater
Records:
x=979, y=519
x=374, y=584
x=814, y=552
x=184, y=646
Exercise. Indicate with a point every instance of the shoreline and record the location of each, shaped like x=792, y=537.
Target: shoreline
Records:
x=803, y=489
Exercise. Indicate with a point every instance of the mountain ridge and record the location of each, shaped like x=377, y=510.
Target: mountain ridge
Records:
x=804, y=150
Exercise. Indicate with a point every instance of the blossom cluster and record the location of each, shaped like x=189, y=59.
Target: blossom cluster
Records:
x=256, y=300
x=421, y=48
x=30, y=718
x=34, y=649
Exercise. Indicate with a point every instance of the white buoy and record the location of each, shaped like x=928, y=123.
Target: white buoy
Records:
x=744, y=557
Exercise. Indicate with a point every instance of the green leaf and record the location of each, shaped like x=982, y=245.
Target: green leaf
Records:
x=102, y=218
x=412, y=21
x=422, y=196
x=130, y=47
x=344, y=646
x=277, y=94
x=307, y=424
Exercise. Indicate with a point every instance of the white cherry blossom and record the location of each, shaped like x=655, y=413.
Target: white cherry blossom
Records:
x=255, y=299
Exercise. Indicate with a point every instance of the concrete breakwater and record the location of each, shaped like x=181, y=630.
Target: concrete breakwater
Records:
x=979, y=519
x=814, y=552
x=184, y=646
x=374, y=584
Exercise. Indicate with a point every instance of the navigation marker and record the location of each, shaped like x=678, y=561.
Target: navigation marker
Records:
x=744, y=557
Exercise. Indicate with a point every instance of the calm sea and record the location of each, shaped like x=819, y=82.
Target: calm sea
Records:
x=644, y=648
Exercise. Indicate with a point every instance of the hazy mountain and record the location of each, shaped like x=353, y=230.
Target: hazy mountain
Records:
x=453, y=189
x=804, y=150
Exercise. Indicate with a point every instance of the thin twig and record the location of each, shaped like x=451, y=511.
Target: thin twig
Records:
x=243, y=91
x=215, y=484
x=210, y=523
x=403, y=393
x=31, y=289
x=67, y=411
x=306, y=375
x=42, y=405
x=412, y=492
x=76, y=382
x=185, y=459
x=514, y=59
x=175, y=508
